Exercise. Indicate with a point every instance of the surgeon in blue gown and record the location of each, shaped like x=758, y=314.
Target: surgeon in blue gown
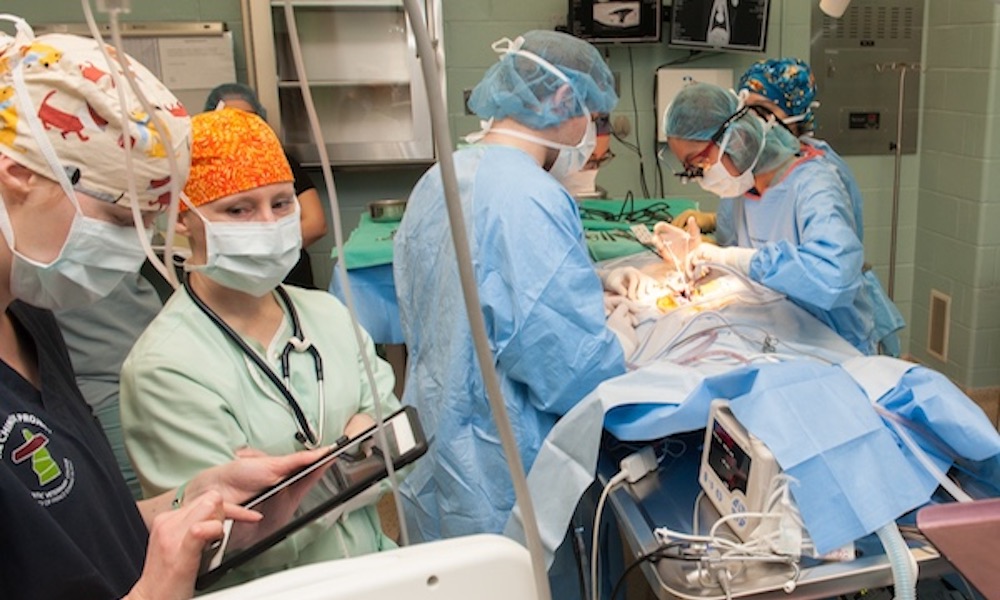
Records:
x=787, y=88
x=540, y=295
x=785, y=219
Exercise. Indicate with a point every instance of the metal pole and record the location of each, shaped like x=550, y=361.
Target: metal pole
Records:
x=898, y=147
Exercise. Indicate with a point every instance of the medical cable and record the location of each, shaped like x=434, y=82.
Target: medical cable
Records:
x=164, y=266
x=470, y=293
x=950, y=486
x=632, y=468
x=653, y=556
x=306, y=435
x=615, y=481
x=317, y=134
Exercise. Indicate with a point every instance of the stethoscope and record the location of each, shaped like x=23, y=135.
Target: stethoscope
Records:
x=306, y=435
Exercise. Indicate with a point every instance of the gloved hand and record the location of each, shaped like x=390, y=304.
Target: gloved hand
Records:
x=675, y=243
x=629, y=282
x=622, y=321
x=704, y=220
x=732, y=256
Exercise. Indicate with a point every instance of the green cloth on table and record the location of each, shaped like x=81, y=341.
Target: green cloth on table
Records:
x=370, y=245
x=609, y=236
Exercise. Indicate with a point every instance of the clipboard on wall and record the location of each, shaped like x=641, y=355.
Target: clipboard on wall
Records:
x=189, y=57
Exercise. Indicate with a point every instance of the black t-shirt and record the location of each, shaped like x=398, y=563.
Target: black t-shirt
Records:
x=303, y=181
x=301, y=274
x=70, y=528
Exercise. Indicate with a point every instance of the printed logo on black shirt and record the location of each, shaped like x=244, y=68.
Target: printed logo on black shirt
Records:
x=26, y=442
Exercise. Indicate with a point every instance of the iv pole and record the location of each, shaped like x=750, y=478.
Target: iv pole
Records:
x=898, y=147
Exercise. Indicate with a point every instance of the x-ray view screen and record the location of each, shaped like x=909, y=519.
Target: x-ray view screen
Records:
x=739, y=25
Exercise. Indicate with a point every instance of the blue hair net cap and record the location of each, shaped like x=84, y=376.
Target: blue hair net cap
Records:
x=788, y=82
x=235, y=91
x=700, y=109
x=522, y=89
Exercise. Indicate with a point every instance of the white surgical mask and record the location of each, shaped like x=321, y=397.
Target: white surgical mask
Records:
x=572, y=159
x=717, y=180
x=94, y=259
x=96, y=254
x=251, y=257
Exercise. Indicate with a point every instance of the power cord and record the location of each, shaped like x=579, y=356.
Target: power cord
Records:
x=632, y=468
x=654, y=556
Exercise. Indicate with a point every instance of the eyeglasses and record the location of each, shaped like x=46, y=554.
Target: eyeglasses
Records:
x=693, y=172
x=691, y=168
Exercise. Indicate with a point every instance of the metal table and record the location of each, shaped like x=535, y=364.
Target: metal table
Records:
x=667, y=498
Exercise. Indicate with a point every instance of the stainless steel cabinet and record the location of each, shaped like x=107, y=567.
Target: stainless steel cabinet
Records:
x=363, y=73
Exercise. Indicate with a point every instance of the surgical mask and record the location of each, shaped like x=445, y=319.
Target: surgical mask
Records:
x=572, y=159
x=94, y=259
x=719, y=181
x=95, y=256
x=581, y=183
x=250, y=257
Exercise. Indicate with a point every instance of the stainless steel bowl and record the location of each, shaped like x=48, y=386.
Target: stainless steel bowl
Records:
x=386, y=211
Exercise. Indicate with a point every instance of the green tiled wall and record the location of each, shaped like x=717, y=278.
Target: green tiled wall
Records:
x=958, y=206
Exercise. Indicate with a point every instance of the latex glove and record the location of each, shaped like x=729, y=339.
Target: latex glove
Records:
x=704, y=220
x=622, y=322
x=732, y=256
x=629, y=282
x=675, y=243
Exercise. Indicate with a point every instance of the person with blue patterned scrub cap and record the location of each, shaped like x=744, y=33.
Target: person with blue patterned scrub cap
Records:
x=539, y=293
x=785, y=218
x=786, y=87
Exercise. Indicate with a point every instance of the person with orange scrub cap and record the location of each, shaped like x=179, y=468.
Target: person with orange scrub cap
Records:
x=193, y=394
x=72, y=528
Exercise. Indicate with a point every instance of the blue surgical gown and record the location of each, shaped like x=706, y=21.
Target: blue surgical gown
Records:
x=887, y=318
x=542, y=303
x=808, y=247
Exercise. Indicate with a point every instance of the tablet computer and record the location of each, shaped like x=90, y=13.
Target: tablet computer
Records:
x=348, y=470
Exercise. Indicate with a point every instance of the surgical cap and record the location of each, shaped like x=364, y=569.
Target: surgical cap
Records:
x=68, y=85
x=700, y=109
x=235, y=91
x=788, y=82
x=232, y=151
x=520, y=88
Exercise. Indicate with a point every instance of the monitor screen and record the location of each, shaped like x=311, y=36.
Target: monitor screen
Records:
x=739, y=25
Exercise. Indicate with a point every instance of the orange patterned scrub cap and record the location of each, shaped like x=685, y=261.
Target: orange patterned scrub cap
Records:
x=233, y=151
x=70, y=89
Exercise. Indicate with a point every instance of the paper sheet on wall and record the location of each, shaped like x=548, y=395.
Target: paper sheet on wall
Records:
x=196, y=63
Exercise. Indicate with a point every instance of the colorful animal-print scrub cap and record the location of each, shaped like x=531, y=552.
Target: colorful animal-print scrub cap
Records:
x=67, y=84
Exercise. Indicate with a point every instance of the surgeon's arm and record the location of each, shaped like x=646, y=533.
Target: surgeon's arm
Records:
x=824, y=268
x=560, y=347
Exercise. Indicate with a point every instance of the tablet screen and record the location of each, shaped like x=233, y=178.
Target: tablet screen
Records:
x=287, y=506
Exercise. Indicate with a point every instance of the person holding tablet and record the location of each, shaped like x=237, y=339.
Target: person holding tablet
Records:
x=71, y=528
x=237, y=360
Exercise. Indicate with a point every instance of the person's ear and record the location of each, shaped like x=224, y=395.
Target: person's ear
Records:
x=563, y=101
x=182, y=223
x=15, y=179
